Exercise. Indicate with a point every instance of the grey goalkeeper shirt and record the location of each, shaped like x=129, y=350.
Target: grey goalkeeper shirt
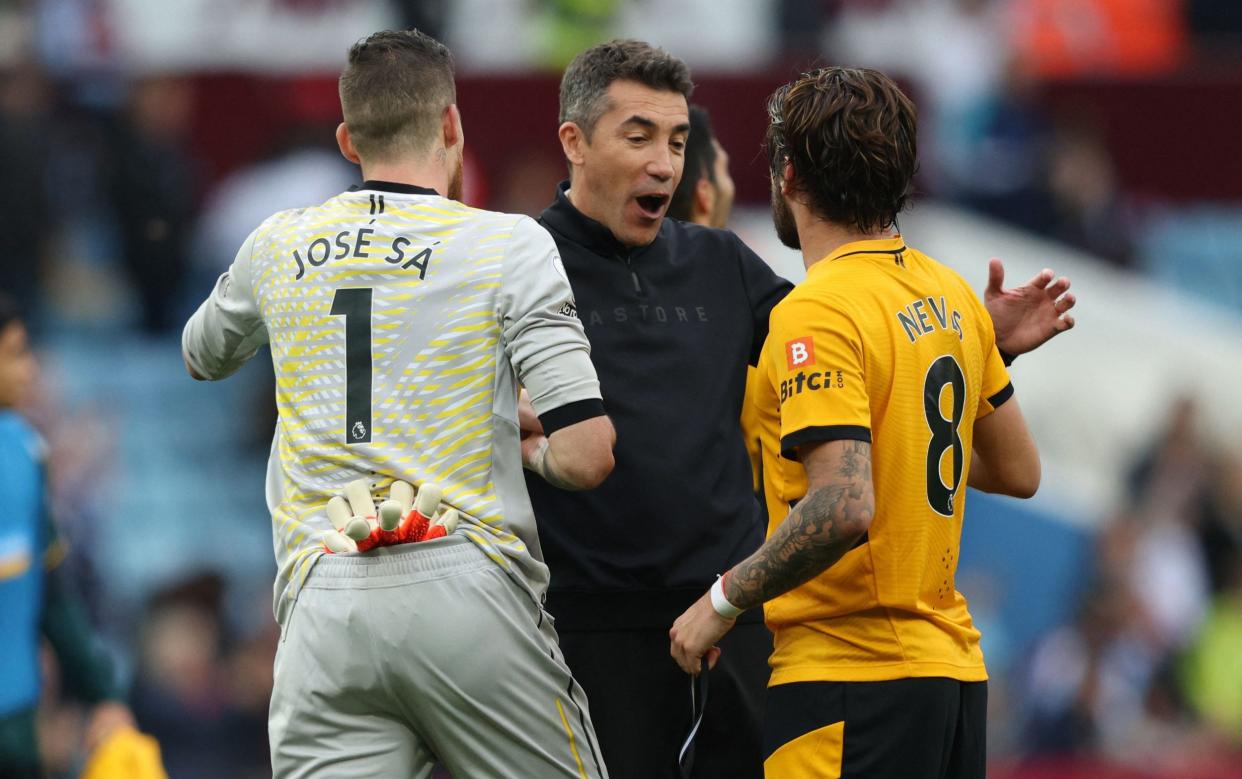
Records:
x=400, y=325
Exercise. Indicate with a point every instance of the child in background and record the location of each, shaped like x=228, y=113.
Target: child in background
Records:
x=34, y=597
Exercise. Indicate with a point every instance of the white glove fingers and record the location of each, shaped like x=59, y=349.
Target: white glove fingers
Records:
x=338, y=512
x=448, y=520
x=359, y=494
x=358, y=528
x=338, y=543
x=403, y=493
x=428, y=499
x=390, y=514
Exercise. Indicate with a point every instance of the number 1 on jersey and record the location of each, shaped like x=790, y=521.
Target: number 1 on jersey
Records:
x=355, y=305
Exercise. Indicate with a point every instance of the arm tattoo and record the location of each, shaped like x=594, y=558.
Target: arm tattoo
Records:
x=823, y=527
x=541, y=463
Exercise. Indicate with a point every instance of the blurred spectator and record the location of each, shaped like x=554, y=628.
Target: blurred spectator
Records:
x=954, y=53
x=996, y=159
x=27, y=217
x=1088, y=680
x=1169, y=577
x=75, y=40
x=208, y=713
x=154, y=194
x=985, y=134
x=1174, y=468
x=983, y=68
x=1108, y=684
x=1168, y=571
x=1087, y=202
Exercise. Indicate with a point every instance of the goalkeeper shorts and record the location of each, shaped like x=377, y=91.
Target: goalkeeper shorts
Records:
x=418, y=653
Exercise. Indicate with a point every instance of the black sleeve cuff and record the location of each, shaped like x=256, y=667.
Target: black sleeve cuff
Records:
x=571, y=414
x=996, y=400
x=822, y=434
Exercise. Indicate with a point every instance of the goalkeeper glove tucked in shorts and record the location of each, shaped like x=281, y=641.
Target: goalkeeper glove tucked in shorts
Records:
x=406, y=517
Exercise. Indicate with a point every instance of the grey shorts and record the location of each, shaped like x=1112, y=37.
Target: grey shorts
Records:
x=393, y=660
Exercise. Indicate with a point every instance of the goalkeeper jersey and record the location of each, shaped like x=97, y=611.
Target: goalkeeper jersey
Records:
x=400, y=324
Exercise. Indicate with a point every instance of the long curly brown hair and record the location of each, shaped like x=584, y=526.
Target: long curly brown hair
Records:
x=849, y=134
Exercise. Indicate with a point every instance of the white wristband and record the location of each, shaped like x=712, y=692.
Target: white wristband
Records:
x=721, y=604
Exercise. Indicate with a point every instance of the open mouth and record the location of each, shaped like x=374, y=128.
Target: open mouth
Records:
x=652, y=206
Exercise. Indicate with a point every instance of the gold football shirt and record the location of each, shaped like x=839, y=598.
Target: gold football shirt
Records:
x=879, y=343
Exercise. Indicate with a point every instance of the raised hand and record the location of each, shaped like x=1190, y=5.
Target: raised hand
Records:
x=1028, y=316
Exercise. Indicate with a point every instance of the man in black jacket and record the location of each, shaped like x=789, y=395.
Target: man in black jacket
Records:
x=675, y=312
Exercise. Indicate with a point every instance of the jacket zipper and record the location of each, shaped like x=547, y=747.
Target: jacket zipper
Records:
x=638, y=287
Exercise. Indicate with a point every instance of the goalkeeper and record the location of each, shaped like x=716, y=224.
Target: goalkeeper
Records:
x=401, y=323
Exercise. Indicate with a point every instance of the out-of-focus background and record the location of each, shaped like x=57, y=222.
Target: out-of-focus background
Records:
x=141, y=140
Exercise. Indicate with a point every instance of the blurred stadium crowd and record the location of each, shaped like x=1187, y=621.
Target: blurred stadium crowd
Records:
x=135, y=157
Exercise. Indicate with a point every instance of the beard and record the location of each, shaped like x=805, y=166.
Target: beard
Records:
x=455, y=181
x=783, y=220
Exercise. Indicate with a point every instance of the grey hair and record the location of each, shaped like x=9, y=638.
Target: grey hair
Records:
x=584, y=87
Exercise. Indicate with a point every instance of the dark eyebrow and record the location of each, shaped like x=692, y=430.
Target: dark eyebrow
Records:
x=649, y=124
x=641, y=121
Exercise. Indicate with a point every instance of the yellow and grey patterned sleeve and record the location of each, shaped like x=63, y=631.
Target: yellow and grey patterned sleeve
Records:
x=543, y=337
x=227, y=329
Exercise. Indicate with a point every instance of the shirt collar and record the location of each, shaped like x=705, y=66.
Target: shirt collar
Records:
x=893, y=246
x=393, y=187
x=565, y=218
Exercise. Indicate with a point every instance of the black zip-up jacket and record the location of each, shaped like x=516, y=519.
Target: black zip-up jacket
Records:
x=672, y=327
